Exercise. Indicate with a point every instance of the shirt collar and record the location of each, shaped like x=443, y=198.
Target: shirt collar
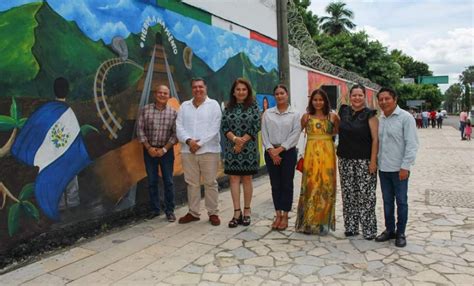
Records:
x=274, y=109
x=395, y=112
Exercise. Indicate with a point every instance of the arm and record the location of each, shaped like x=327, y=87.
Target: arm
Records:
x=152, y=151
x=265, y=133
x=304, y=121
x=215, y=124
x=374, y=133
x=411, y=146
x=335, y=122
x=294, y=136
x=181, y=132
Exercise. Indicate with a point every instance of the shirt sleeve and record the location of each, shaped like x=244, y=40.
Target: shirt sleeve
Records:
x=173, y=139
x=294, y=136
x=181, y=133
x=411, y=142
x=265, y=135
x=215, y=124
x=141, y=127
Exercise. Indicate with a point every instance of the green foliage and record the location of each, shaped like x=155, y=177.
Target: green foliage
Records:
x=356, y=53
x=30, y=209
x=310, y=20
x=466, y=102
x=339, y=19
x=14, y=110
x=17, y=63
x=6, y=123
x=26, y=192
x=467, y=76
x=430, y=93
x=452, y=96
x=86, y=128
x=409, y=67
x=13, y=218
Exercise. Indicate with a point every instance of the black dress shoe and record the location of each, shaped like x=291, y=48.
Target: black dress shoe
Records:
x=351, y=233
x=384, y=236
x=400, y=241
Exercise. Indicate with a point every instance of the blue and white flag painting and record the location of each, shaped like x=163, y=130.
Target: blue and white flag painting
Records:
x=51, y=139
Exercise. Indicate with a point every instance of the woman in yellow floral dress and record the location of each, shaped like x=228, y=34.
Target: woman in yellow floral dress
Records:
x=316, y=206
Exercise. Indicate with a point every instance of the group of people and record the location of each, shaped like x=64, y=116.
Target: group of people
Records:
x=366, y=144
x=426, y=118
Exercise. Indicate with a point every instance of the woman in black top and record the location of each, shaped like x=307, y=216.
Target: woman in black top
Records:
x=357, y=152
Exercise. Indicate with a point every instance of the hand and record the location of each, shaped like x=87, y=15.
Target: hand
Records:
x=160, y=152
x=153, y=152
x=237, y=149
x=239, y=141
x=276, y=151
x=403, y=174
x=372, y=168
x=274, y=155
x=194, y=146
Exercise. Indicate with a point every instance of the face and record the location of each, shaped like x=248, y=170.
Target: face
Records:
x=162, y=94
x=357, y=98
x=265, y=104
x=199, y=90
x=241, y=92
x=386, y=102
x=281, y=96
x=318, y=102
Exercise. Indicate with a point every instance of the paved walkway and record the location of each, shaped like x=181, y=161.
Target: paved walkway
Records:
x=440, y=236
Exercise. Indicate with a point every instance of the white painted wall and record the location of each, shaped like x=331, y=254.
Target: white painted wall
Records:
x=256, y=15
x=299, y=94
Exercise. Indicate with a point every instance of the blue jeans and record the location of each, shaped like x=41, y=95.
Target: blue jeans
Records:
x=166, y=166
x=394, y=189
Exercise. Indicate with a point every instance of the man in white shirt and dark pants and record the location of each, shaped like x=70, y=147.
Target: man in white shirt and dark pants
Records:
x=198, y=131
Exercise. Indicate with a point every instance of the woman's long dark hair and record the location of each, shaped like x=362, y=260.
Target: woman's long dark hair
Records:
x=327, y=106
x=248, y=101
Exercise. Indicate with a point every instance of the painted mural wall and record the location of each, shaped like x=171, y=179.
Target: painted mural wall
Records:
x=63, y=162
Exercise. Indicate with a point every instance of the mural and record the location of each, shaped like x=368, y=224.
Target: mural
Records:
x=319, y=80
x=69, y=160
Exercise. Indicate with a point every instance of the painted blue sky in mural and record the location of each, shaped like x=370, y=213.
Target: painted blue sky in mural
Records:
x=105, y=19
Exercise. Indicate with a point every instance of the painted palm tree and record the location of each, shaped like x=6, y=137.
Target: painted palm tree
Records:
x=11, y=123
x=339, y=20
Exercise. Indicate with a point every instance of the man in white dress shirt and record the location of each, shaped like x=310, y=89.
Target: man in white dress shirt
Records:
x=198, y=131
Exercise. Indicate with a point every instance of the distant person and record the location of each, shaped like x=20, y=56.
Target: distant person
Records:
x=198, y=131
x=157, y=133
x=240, y=125
x=265, y=104
x=357, y=152
x=468, y=130
x=433, y=118
x=419, y=121
x=462, y=122
x=398, y=144
x=439, y=119
x=280, y=133
x=316, y=213
x=424, y=117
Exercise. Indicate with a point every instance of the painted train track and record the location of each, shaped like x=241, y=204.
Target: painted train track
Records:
x=111, y=122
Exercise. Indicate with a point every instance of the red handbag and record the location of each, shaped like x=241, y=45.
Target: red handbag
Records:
x=299, y=165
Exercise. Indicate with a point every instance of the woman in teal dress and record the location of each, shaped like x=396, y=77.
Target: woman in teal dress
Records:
x=240, y=125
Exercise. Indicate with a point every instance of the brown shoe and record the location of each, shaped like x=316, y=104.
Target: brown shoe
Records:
x=187, y=218
x=214, y=219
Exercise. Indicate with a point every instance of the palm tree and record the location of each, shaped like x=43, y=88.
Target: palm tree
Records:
x=339, y=19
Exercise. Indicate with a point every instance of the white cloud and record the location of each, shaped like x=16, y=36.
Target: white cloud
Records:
x=195, y=34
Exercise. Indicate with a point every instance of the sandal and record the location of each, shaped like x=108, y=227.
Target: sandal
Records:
x=277, y=220
x=235, y=221
x=246, y=218
x=283, y=222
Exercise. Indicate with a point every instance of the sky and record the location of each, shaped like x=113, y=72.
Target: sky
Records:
x=105, y=19
x=437, y=32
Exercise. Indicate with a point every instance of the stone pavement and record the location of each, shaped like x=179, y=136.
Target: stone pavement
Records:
x=440, y=236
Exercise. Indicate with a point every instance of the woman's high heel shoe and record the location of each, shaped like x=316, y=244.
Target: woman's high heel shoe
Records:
x=246, y=218
x=235, y=221
x=277, y=220
x=283, y=222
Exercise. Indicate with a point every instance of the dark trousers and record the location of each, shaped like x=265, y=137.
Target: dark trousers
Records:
x=166, y=165
x=462, y=124
x=281, y=179
x=394, y=190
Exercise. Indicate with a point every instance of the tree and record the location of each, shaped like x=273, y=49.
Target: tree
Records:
x=466, y=100
x=311, y=21
x=356, y=53
x=410, y=67
x=339, y=20
x=452, y=96
x=430, y=93
x=467, y=76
